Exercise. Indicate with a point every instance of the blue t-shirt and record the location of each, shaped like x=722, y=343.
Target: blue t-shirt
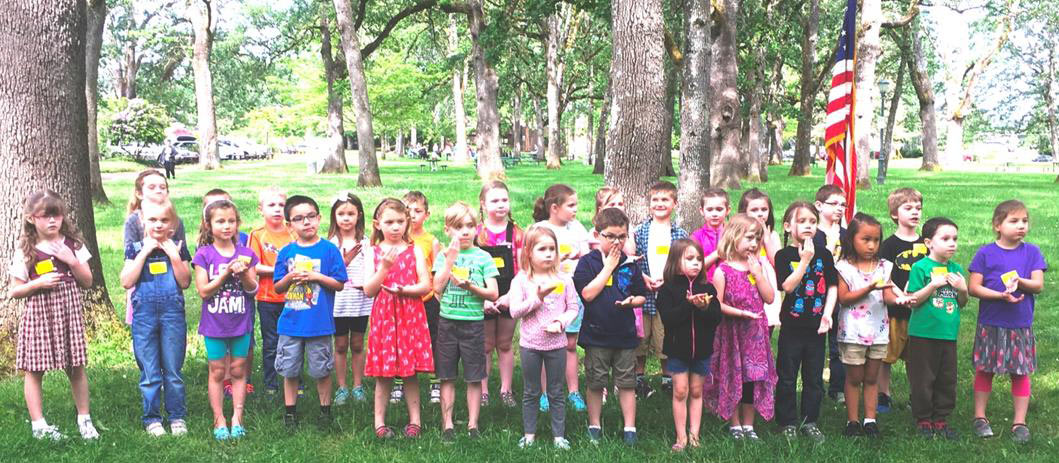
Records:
x=993, y=262
x=605, y=324
x=309, y=307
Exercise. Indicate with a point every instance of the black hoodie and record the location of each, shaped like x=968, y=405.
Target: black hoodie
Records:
x=689, y=330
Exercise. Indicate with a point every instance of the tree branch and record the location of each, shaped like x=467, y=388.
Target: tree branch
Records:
x=392, y=23
x=360, y=15
x=913, y=11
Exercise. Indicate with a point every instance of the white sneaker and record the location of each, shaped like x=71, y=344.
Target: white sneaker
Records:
x=48, y=432
x=155, y=429
x=562, y=444
x=178, y=427
x=88, y=431
x=435, y=393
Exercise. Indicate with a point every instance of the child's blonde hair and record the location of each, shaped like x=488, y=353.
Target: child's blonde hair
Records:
x=901, y=196
x=137, y=194
x=269, y=192
x=740, y=225
x=457, y=213
x=398, y=207
x=48, y=203
x=604, y=195
x=529, y=241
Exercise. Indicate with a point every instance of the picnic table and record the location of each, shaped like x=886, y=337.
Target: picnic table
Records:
x=433, y=164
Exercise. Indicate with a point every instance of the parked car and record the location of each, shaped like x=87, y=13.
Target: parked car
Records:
x=187, y=151
x=1044, y=158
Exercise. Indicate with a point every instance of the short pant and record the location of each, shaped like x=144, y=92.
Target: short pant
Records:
x=218, y=348
x=346, y=325
x=653, y=333
x=857, y=354
x=600, y=361
x=697, y=367
x=460, y=340
x=318, y=349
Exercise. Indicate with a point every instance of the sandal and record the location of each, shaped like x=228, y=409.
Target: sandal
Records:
x=693, y=442
x=677, y=448
x=412, y=431
x=384, y=432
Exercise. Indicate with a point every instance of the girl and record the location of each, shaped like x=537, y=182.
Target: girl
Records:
x=863, y=325
x=49, y=269
x=157, y=271
x=499, y=236
x=352, y=306
x=715, y=208
x=150, y=186
x=557, y=210
x=607, y=197
x=757, y=204
x=742, y=367
x=546, y=302
x=226, y=279
x=1006, y=275
x=399, y=344
x=690, y=313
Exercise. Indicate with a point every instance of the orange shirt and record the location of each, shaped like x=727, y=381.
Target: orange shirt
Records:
x=425, y=243
x=266, y=244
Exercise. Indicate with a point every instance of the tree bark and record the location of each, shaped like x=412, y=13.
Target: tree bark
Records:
x=542, y=131
x=128, y=67
x=757, y=166
x=725, y=108
x=486, y=89
x=638, y=101
x=801, y=166
x=43, y=124
x=368, y=173
x=460, y=156
x=916, y=60
x=556, y=29
x=599, y=150
x=891, y=119
x=665, y=163
x=400, y=143
x=335, y=161
x=869, y=48
x=1049, y=103
x=202, y=22
x=776, y=125
x=694, y=107
x=516, y=122
x=96, y=18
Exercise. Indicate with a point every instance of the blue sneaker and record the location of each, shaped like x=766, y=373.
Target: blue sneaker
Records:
x=221, y=433
x=237, y=432
x=341, y=396
x=544, y=403
x=577, y=401
x=630, y=438
x=358, y=394
x=884, y=403
x=595, y=435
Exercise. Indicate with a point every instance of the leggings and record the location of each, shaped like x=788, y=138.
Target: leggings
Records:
x=1020, y=384
x=748, y=394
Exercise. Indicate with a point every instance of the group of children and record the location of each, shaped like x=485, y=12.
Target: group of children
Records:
x=705, y=303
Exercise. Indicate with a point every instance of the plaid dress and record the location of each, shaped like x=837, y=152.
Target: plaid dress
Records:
x=51, y=331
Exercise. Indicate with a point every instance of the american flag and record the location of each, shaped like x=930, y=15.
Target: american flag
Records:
x=838, y=137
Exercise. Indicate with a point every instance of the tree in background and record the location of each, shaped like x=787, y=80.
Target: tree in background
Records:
x=202, y=14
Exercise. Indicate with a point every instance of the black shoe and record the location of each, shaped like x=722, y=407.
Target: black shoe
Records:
x=448, y=436
x=853, y=429
x=871, y=430
x=473, y=433
x=326, y=423
x=290, y=421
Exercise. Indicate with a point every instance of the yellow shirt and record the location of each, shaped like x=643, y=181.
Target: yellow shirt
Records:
x=425, y=242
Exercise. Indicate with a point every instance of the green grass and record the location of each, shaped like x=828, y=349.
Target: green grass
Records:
x=967, y=198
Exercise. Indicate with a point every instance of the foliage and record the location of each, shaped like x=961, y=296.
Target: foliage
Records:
x=137, y=121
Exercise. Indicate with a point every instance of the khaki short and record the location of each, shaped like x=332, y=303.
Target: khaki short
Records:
x=898, y=341
x=600, y=362
x=653, y=333
x=857, y=354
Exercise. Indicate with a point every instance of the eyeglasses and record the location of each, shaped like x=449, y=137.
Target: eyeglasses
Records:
x=614, y=238
x=304, y=218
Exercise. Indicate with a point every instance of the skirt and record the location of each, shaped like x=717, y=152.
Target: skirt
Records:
x=51, y=333
x=1004, y=350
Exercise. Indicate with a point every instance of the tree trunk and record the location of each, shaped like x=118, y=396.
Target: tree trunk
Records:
x=415, y=137
x=869, y=48
x=516, y=122
x=542, y=131
x=665, y=163
x=460, y=156
x=776, y=125
x=599, y=150
x=802, y=164
x=43, y=144
x=891, y=118
x=127, y=70
x=758, y=167
x=556, y=29
x=638, y=101
x=486, y=89
x=96, y=18
x=400, y=144
x=725, y=108
x=1049, y=103
x=694, y=122
x=335, y=161
x=202, y=22
x=915, y=57
x=368, y=175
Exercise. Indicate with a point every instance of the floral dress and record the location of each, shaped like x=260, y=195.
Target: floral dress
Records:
x=742, y=352
x=398, y=340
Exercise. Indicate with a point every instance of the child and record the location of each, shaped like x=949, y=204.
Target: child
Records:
x=690, y=310
x=557, y=210
x=499, y=236
x=653, y=239
x=1006, y=276
x=48, y=269
x=831, y=205
x=157, y=268
x=863, y=326
x=904, y=248
x=218, y=194
x=742, y=366
x=758, y=205
x=610, y=285
x=429, y=246
x=226, y=279
x=940, y=290
x=464, y=281
x=266, y=241
x=715, y=208
x=352, y=306
x=607, y=197
x=308, y=272
x=546, y=303
x=399, y=343
x=809, y=281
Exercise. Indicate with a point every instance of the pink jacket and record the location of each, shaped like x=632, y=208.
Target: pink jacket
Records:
x=536, y=315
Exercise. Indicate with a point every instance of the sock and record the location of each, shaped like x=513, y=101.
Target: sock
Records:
x=594, y=427
x=630, y=429
x=325, y=409
x=291, y=409
x=39, y=424
x=82, y=419
x=869, y=420
x=747, y=428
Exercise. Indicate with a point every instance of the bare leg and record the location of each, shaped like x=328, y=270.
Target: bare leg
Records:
x=341, y=347
x=411, y=399
x=1021, y=405
x=505, y=333
x=448, y=396
x=31, y=388
x=695, y=408
x=323, y=388
x=747, y=412
x=981, y=401
x=382, y=399
x=854, y=379
x=79, y=388
x=290, y=390
x=871, y=387
x=237, y=368
x=680, y=407
x=884, y=378
x=474, y=403
x=215, y=390
x=594, y=402
x=572, y=364
x=641, y=364
x=356, y=345
x=627, y=397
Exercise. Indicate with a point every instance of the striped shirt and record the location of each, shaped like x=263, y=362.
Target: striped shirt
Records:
x=351, y=301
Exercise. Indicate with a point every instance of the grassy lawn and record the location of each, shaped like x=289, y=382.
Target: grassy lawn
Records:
x=967, y=198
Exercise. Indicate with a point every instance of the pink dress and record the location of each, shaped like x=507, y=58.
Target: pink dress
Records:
x=742, y=352
x=398, y=340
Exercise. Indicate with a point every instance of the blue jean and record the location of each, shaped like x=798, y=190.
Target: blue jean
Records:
x=268, y=317
x=159, y=341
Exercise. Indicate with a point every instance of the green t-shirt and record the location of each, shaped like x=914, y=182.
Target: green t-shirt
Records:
x=458, y=303
x=937, y=317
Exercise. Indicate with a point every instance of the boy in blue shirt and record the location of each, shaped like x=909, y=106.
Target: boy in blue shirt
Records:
x=308, y=271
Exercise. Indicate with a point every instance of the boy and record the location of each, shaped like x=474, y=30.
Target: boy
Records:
x=610, y=286
x=904, y=248
x=652, y=240
x=419, y=210
x=266, y=241
x=939, y=287
x=831, y=204
x=308, y=271
x=464, y=280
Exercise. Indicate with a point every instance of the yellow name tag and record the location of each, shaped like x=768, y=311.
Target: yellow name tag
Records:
x=565, y=249
x=462, y=273
x=795, y=265
x=940, y=271
x=44, y=266
x=750, y=277
x=662, y=250
x=244, y=259
x=879, y=281
x=763, y=253
x=610, y=280
x=559, y=288
x=498, y=262
x=304, y=266
x=1007, y=278
x=566, y=267
x=157, y=268
x=919, y=248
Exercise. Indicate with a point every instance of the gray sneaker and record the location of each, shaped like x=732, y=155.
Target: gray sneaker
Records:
x=982, y=428
x=736, y=433
x=790, y=432
x=595, y=434
x=750, y=435
x=1020, y=434
x=814, y=433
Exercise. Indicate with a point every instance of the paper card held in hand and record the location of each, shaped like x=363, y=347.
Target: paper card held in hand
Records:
x=498, y=262
x=304, y=266
x=44, y=266
x=662, y=250
x=943, y=271
x=565, y=249
x=462, y=273
x=559, y=288
x=1007, y=278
